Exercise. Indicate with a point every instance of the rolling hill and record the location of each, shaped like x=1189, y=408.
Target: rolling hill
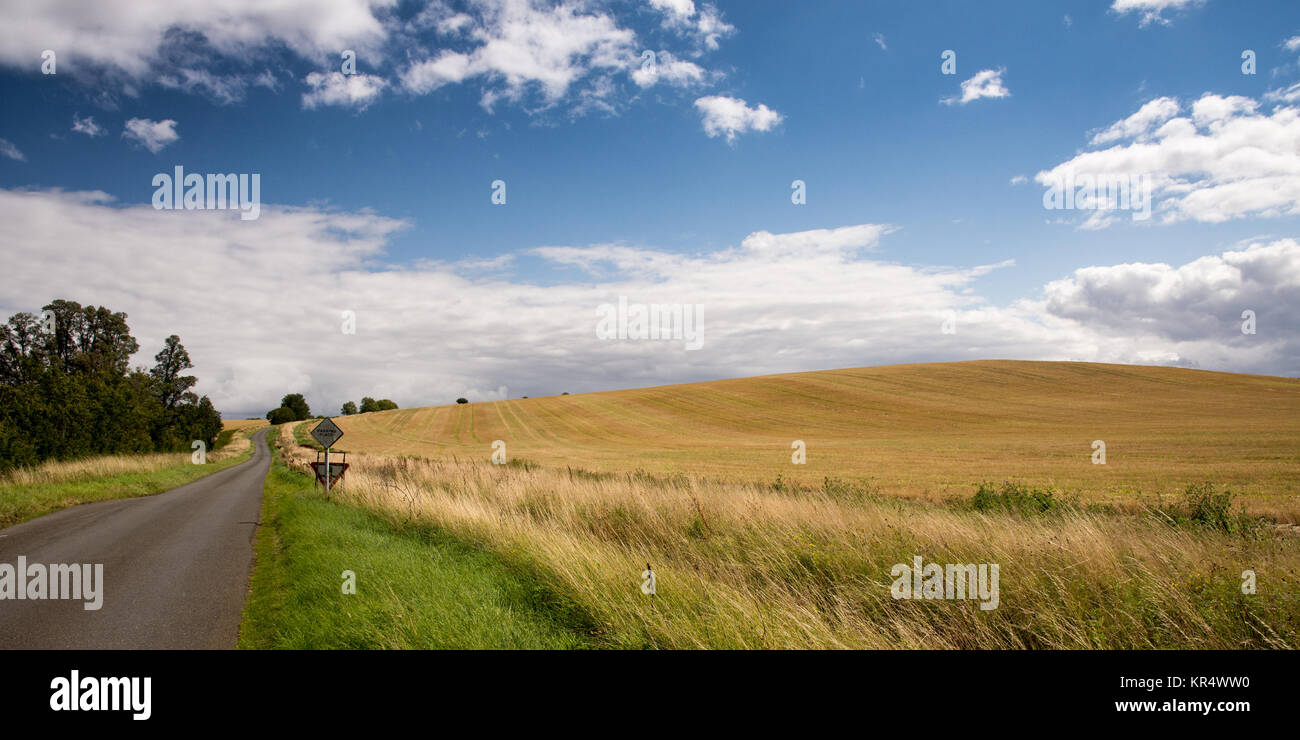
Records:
x=920, y=431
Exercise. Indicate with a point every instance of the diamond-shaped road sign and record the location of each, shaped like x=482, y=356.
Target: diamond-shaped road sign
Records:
x=327, y=433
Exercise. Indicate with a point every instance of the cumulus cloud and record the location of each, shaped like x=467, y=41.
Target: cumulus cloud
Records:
x=986, y=83
x=1151, y=11
x=152, y=135
x=518, y=46
x=1140, y=124
x=335, y=88
x=429, y=332
x=703, y=26
x=730, y=117
x=7, y=149
x=1195, y=311
x=535, y=53
x=86, y=126
x=130, y=37
x=1221, y=159
x=669, y=70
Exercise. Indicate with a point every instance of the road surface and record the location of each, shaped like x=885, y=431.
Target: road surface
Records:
x=176, y=566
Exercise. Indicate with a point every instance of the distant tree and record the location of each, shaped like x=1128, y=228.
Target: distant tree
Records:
x=564, y=393
x=296, y=403
x=369, y=404
x=281, y=415
x=386, y=405
x=348, y=409
x=462, y=400
x=172, y=361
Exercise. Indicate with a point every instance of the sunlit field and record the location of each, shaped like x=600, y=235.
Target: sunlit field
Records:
x=929, y=432
x=785, y=566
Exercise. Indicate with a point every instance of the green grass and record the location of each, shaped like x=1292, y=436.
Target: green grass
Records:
x=414, y=588
x=20, y=502
x=302, y=434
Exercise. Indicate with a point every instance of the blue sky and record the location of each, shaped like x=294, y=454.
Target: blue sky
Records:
x=600, y=160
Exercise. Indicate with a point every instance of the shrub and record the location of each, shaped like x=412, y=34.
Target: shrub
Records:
x=281, y=415
x=1203, y=505
x=1015, y=497
x=462, y=400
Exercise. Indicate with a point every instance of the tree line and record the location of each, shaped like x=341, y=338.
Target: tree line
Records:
x=293, y=407
x=67, y=390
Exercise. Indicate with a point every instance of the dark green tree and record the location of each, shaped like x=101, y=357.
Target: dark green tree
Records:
x=349, y=408
x=369, y=404
x=172, y=361
x=296, y=403
x=281, y=415
x=65, y=389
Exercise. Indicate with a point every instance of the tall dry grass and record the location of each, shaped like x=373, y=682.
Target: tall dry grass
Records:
x=89, y=468
x=104, y=466
x=755, y=566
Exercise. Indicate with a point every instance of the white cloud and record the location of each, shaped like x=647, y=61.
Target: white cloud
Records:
x=986, y=83
x=537, y=53
x=131, y=36
x=1194, y=311
x=1292, y=44
x=704, y=28
x=223, y=89
x=335, y=88
x=152, y=135
x=7, y=149
x=879, y=38
x=730, y=117
x=520, y=47
x=675, y=8
x=1290, y=94
x=1151, y=11
x=669, y=70
x=1226, y=160
x=430, y=74
x=428, y=333
x=1139, y=125
x=86, y=126
x=1019, y=180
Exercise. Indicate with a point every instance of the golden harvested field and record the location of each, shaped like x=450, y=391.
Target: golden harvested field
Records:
x=931, y=431
x=251, y=424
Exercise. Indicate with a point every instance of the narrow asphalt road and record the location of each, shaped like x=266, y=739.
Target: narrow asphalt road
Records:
x=176, y=566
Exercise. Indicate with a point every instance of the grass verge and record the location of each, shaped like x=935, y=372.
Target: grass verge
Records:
x=415, y=588
x=29, y=493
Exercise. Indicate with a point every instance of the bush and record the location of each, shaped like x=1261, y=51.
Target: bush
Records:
x=1204, y=506
x=281, y=415
x=462, y=400
x=1016, y=498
